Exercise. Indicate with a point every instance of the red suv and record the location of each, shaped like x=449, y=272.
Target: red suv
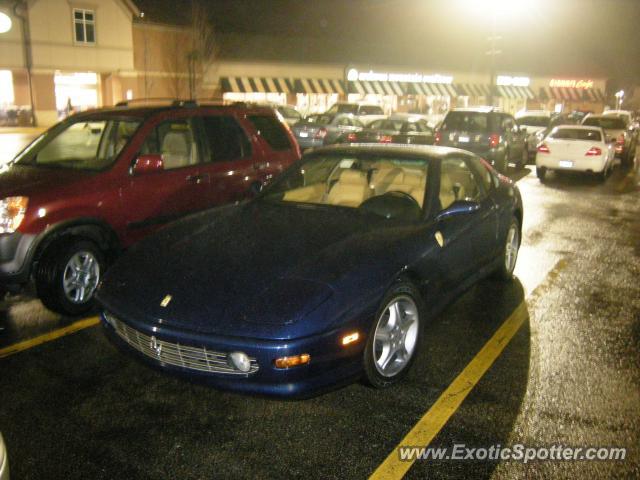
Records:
x=99, y=181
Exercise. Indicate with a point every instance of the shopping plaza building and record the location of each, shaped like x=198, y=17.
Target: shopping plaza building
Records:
x=59, y=56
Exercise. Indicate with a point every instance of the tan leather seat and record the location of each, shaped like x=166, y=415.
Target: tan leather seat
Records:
x=351, y=189
x=412, y=183
x=178, y=149
x=382, y=178
x=449, y=191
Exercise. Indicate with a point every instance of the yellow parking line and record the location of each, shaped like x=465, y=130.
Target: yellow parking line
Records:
x=438, y=415
x=48, y=337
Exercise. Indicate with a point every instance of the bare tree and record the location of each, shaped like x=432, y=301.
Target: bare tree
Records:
x=203, y=49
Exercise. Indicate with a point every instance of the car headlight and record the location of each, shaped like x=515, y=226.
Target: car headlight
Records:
x=12, y=210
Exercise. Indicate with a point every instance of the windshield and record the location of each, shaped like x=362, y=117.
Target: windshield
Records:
x=81, y=145
x=382, y=185
x=576, y=134
x=469, y=122
x=537, y=121
x=343, y=108
x=608, y=123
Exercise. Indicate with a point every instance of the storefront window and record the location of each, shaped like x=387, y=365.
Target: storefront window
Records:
x=75, y=92
x=255, y=97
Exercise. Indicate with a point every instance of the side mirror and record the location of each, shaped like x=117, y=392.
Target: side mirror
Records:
x=148, y=164
x=459, y=207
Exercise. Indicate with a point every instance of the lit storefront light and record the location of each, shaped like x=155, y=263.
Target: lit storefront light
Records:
x=78, y=90
x=6, y=88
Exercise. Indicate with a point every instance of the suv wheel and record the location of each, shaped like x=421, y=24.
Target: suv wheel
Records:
x=541, y=173
x=68, y=276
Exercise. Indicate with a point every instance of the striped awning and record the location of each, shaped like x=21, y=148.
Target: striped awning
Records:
x=473, y=89
x=515, y=92
x=432, y=89
x=281, y=85
x=320, y=85
x=595, y=95
x=376, y=88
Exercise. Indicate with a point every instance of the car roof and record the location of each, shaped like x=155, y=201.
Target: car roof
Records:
x=485, y=109
x=533, y=113
x=431, y=151
x=144, y=111
x=573, y=126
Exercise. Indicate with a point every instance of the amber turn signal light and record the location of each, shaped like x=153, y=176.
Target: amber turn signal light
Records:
x=296, y=360
x=350, y=338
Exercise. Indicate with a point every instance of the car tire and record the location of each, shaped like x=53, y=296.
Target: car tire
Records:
x=395, y=336
x=68, y=275
x=524, y=159
x=509, y=255
x=541, y=173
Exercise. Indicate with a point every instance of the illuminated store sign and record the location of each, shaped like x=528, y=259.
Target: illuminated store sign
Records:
x=509, y=81
x=571, y=83
x=371, y=76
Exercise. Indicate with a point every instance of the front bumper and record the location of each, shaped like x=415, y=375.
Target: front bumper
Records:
x=331, y=364
x=16, y=253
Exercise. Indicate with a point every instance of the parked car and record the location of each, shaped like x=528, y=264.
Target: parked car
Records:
x=388, y=130
x=4, y=461
x=620, y=130
x=491, y=134
x=99, y=181
x=577, y=148
x=325, y=129
x=332, y=272
x=537, y=123
x=362, y=111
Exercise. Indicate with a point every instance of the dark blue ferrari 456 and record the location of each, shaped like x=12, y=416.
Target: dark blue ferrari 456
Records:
x=328, y=275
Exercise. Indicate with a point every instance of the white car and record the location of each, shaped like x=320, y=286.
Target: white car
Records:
x=4, y=461
x=537, y=123
x=578, y=148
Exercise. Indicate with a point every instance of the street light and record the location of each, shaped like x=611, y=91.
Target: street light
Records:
x=493, y=10
x=619, y=96
x=5, y=22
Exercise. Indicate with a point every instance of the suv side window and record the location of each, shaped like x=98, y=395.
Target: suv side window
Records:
x=507, y=123
x=457, y=182
x=271, y=130
x=225, y=139
x=175, y=141
x=344, y=122
x=370, y=110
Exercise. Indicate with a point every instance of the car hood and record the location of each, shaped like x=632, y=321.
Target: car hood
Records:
x=229, y=268
x=25, y=180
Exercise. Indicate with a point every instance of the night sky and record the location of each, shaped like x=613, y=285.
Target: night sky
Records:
x=561, y=37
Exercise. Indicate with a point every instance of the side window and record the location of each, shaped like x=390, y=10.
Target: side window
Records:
x=224, y=138
x=482, y=172
x=272, y=131
x=457, y=182
x=508, y=124
x=344, y=122
x=175, y=141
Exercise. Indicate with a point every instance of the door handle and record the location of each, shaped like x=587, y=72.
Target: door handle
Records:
x=198, y=179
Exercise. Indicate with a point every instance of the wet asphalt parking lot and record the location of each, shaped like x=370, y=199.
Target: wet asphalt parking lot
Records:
x=75, y=407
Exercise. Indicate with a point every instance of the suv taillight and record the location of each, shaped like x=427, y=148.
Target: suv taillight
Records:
x=321, y=133
x=438, y=138
x=494, y=140
x=543, y=149
x=352, y=137
x=385, y=139
x=593, y=152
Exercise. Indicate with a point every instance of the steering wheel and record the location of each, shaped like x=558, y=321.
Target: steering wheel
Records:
x=404, y=194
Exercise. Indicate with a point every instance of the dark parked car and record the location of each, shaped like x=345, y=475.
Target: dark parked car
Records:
x=493, y=135
x=325, y=129
x=620, y=130
x=389, y=130
x=332, y=271
x=99, y=181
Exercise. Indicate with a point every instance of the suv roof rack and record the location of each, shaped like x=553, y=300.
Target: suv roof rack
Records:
x=173, y=102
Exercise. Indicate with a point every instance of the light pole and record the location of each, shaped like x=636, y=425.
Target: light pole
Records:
x=493, y=52
x=21, y=11
x=619, y=96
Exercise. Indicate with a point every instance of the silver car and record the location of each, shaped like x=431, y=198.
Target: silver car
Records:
x=324, y=129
